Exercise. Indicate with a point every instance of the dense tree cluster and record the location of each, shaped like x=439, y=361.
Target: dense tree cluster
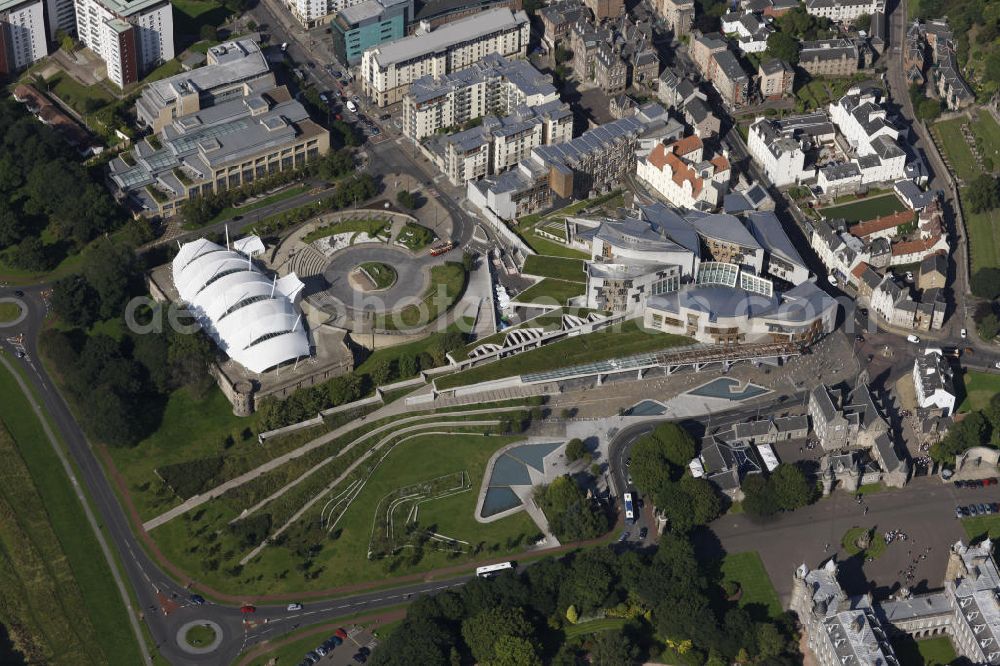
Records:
x=972, y=19
x=659, y=464
x=795, y=26
x=45, y=191
x=571, y=514
x=674, y=612
x=977, y=428
x=787, y=488
x=119, y=383
x=349, y=192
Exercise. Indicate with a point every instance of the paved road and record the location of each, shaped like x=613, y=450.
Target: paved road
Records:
x=411, y=276
x=154, y=588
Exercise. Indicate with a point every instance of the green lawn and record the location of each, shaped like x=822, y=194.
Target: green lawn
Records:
x=987, y=129
x=167, y=69
x=550, y=292
x=629, y=338
x=875, y=549
x=446, y=287
x=83, y=99
x=952, y=142
x=979, y=388
x=928, y=652
x=978, y=527
x=747, y=570
x=571, y=270
x=373, y=227
x=102, y=607
x=550, y=248
x=190, y=15
x=593, y=626
x=200, y=635
x=984, y=238
x=383, y=275
x=190, y=429
x=9, y=312
x=865, y=209
x=415, y=236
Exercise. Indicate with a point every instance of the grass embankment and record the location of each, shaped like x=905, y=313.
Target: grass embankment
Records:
x=629, y=338
x=747, y=571
x=571, y=270
x=342, y=557
x=446, y=287
x=550, y=292
x=865, y=209
x=57, y=586
x=232, y=211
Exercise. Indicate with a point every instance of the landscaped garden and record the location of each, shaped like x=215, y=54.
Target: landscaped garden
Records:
x=865, y=209
x=630, y=338
x=200, y=635
x=382, y=276
x=572, y=270
x=415, y=237
x=374, y=228
x=550, y=292
x=446, y=286
x=747, y=571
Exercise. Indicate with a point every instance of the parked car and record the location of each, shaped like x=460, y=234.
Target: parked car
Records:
x=321, y=651
x=832, y=279
x=294, y=607
x=365, y=650
x=343, y=634
x=973, y=510
x=964, y=333
x=958, y=512
x=624, y=537
x=336, y=640
x=982, y=509
x=360, y=658
x=643, y=533
x=912, y=338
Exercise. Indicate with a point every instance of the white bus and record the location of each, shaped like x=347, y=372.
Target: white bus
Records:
x=494, y=569
x=629, y=510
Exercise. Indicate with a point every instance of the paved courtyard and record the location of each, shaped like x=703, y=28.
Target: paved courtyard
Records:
x=924, y=510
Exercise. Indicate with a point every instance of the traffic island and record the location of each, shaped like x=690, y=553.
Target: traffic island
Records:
x=199, y=637
x=864, y=541
x=373, y=276
x=12, y=312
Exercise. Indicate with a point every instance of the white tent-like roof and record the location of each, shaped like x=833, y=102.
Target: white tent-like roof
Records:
x=252, y=318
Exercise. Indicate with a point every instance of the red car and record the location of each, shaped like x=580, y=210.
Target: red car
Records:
x=343, y=634
x=248, y=609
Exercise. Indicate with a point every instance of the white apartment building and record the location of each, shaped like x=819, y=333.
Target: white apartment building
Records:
x=61, y=15
x=841, y=11
x=933, y=382
x=387, y=70
x=494, y=86
x=131, y=38
x=500, y=143
x=681, y=174
x=782, y=157
x=22, y=34
x=861, y=119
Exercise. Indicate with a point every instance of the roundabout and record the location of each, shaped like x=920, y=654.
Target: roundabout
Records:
x=199, y=637
x=347, y=281
x=12, y=312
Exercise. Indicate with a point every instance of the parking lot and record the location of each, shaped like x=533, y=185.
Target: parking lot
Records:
x=356, y=646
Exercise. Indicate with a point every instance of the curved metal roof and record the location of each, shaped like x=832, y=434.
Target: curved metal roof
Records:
x=251, y=317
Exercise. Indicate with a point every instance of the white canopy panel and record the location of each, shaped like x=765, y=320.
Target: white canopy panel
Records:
x=252, y=318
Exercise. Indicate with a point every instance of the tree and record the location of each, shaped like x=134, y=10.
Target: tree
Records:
x=208, y=33
x=705, y=502
x=575, y=449
x=110, y=269
x=971, y=431
x=783, y=46
x=513, y=651
x=678, y=446
x=406, y=199
x=989, y=327
x=336, y=164
x=613, y=648
x=791, y=487
x=572, y=615
x=985, y=283
x=571, y=516
x=29, y=255
x=928, y=109
x=863, y=22
x=983, y=193
x=74, y=301
x=481, y=632
x=189, y=356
